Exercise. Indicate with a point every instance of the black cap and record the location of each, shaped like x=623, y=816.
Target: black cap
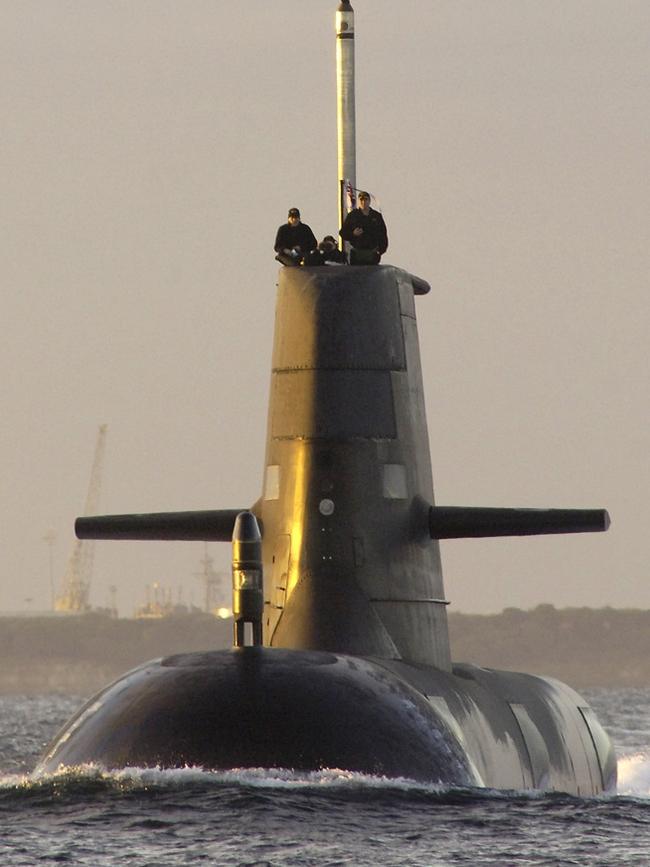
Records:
x=294, y=212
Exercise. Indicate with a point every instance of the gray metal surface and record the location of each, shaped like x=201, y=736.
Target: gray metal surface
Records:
x=348, y=443
x=210, y=525
x=351, y=571
x=306, y=710
x=345, y=100
x=358, y=674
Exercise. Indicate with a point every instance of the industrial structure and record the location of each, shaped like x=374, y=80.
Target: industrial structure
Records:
x=216, y=587
x=73, y=598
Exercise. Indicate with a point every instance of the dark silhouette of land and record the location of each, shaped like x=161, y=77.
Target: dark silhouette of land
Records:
x=581, y=646
x=81, y=654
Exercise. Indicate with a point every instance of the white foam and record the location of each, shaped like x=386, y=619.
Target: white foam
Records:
x=633, y=779
x=268, y=778
x=634, y=775
x=136, y=778
x=15, y=781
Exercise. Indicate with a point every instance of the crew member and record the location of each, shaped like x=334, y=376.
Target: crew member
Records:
x=365, y=230
x=326, y=254
x=294, y=240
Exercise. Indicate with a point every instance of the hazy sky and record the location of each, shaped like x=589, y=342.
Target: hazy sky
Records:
x=149, y=151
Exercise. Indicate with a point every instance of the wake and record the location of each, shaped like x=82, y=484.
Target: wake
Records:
x=633, y=780
x=135, y=778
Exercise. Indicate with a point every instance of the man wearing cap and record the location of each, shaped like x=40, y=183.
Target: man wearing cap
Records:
x=365, y=230
x=294, y=240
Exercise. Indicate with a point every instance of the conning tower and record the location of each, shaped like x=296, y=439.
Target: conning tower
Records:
x=349, y=564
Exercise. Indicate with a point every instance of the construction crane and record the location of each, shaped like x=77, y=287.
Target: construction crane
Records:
x=216, y=587
x=76, y=581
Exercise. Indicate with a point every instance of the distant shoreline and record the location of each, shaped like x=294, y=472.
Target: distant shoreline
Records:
x=79, y=655
x=585, y=647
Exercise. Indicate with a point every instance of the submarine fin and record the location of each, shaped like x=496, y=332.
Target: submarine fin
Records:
x=462, y=522
x=214, y=525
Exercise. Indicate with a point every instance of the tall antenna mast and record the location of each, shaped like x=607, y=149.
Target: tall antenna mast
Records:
x=345, y=113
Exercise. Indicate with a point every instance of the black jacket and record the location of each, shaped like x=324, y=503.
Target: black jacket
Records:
x=295, y=236
x=374, y=235
x=322, y=257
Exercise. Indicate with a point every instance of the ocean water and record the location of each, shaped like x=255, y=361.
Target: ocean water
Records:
x=150, y=818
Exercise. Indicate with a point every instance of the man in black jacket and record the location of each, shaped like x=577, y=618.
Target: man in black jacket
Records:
x=294, y=240
x=365, y=230
x=327, y=253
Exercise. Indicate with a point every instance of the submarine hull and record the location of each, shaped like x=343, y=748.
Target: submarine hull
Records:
x=262, y=707
x=311, y=710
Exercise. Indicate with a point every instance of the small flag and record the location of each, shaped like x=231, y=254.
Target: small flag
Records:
x=351, y=195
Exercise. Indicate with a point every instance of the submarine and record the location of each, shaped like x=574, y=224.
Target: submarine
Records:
x=341, y=656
